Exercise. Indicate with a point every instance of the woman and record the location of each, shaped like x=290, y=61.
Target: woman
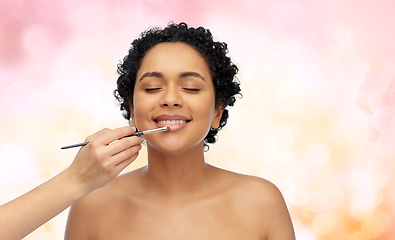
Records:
x=179, y=77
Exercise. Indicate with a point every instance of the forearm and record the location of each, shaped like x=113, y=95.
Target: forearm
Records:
x=23, y=215
x=94, y=166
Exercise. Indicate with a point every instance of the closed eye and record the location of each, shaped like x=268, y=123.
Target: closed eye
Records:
x=152, y=89
x=192, y=89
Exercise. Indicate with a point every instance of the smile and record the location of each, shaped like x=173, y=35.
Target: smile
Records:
x=176, y=122
x=171, y=122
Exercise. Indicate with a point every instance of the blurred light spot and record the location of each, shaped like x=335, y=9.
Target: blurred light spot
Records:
x=283, y=93
x=386, y=79
x=334, y=195
x=249, y=71
x=384, y=119
x=297, y=195
x=15, y=97
x=351, y=74
x=37, y=42
x=347, y=96
x=345, y=37
x=380, y=177
x=50, y=234
x=38, y=103
x=317, y=202
x=298, y=176
x=294, y=51
x=375, y=155
x=124, y=10
x=365, y=193
x=386, y=141
x=350, y=131
x=278, y=154
x=359, y=236
x=155, y=1
x=386, y=217
x=360, y=207
x=324, y=223
x=278, y=145
x=88, y=87
x=373, y=226
x=356, y=118
x=302, y=232
x=325, y=96
x=16, y=165
x=389, y=63
x=88, y=18
x=317, y=154
x=304, y=79
x=380, y=97
x=82, y=88
x=273, y=171
x=293, y=106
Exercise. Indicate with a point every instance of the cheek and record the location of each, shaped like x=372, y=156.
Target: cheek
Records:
x=205, y=107
x=141, y=107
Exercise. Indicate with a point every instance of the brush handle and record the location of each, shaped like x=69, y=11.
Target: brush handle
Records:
x=85, y=143
x=75, y=145
x=134, y=134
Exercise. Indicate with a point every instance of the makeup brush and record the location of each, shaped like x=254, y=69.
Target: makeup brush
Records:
x=162, y=129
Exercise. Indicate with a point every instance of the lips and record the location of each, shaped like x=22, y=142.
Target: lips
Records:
x=174, y=121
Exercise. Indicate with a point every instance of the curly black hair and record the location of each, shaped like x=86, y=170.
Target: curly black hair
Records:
x=223, y=71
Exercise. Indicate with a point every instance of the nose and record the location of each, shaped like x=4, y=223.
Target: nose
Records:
x=171, y=97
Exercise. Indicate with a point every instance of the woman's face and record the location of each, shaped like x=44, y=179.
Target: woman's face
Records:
x=174, y=88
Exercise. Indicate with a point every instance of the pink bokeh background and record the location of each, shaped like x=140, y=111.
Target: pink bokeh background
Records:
x=317, y=117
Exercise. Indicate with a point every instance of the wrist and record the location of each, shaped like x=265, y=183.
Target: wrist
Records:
x=76, y=185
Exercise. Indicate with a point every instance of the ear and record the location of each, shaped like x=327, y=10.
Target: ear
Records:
x=218, y=114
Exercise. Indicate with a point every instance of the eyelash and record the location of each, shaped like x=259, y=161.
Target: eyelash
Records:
x=151, y=89
x=188, y=89
x=192, y=89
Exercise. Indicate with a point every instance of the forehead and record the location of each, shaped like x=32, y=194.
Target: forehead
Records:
x=173, y=56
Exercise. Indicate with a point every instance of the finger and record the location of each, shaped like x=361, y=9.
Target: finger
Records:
x=97, y=134
x=116, y=134
x=122, y=165
x=123, y=144
x=125, y=154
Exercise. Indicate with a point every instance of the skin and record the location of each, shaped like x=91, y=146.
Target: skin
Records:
x=94, y=166
x=178, y=195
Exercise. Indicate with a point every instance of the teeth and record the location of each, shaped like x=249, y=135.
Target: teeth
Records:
x=171, y=121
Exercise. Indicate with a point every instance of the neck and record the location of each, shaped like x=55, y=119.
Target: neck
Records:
x=184, y=173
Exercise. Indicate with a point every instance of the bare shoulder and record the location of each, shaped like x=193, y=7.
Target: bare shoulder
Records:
x=261, y=203
x=97, y=208
x=251, y=188
x=259, y=190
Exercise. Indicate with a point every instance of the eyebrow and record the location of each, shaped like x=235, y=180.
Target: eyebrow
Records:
x=191, y=74
x=182, y=75
x=151, y=74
